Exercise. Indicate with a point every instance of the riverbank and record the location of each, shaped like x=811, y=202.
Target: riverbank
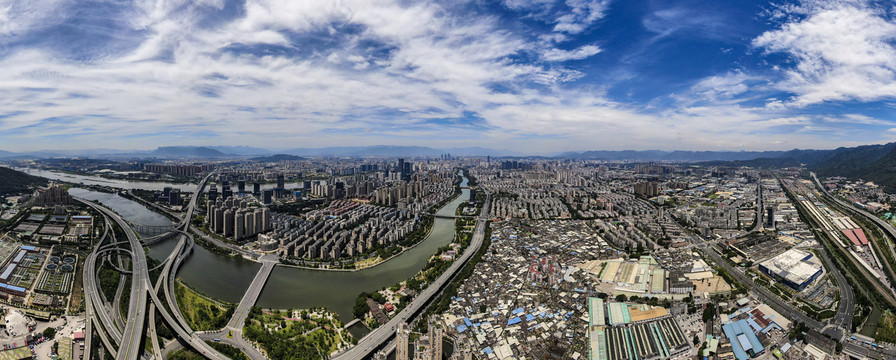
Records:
x=287, y=287
x=404, y=250
x=420, y=281
x=428, y=232
x=201, y=311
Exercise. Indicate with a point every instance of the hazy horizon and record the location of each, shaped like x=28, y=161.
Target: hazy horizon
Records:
x=250, y=150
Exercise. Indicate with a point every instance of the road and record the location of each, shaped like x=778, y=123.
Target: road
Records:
x=129, y=348
x=886, y=293
x=116, y=303
x=882, y=224
x=847, y=306
x=181, y=251
x=784, y=308
x=223, y=245
x=130, y=338
x=232, y=334
x=380, y=335
x=860, y=350
x=92, y=291
x=93, y=301
x=251, y=295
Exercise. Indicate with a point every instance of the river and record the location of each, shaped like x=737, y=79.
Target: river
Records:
x=227, y=278
x=131, y=185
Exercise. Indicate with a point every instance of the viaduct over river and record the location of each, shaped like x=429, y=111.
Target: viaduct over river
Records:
x=249, y=283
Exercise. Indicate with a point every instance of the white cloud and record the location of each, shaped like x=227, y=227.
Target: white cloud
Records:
x=583, y=14
x=19, y=16
x=379, y=73
x=843, y=51
x=575, y=54
x=724, y=86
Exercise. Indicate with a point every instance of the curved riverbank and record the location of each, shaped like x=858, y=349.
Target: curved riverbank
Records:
x=227, y=278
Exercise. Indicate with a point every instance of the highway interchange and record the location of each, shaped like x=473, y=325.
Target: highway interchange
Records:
x=129, y=338
x=124, y=341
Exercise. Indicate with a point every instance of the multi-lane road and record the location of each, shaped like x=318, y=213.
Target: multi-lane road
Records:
x=378, y=337
x=130, y=337
x=232, y=334
x=776, y=303
x=251, y=295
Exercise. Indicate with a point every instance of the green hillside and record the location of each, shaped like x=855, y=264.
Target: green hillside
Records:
x=12, y=181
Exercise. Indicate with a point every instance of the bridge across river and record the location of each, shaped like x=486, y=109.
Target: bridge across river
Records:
x=252, y=293
x=443, y=216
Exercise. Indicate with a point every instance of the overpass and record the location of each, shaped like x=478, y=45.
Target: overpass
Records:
x=443, y=216
x=150, y=229
x=130, y=337
x=233, y=333
x=379, y=336
x=159, y=238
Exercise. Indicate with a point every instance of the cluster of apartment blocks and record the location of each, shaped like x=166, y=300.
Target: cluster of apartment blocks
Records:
x=427, y=347
x=391, y=195
x=52, y=196
x=351, y=233
x=178, y=170
x=232, y=218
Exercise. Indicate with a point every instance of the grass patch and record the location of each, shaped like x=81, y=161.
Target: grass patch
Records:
x=200, y=312
x=228, y=350
x=185, y=354
x=870, y=327
x=886, y=329
x=109, y=282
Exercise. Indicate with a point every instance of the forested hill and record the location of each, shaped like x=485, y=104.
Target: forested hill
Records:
x=12, y=181
x=875, y=163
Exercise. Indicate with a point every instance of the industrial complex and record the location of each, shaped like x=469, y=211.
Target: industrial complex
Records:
x=795, y=268
x=619, y=331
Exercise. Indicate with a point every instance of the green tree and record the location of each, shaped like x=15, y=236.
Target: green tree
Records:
x=709, y=312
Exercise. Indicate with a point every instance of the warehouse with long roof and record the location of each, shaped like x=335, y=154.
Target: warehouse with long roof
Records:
x=794, y=268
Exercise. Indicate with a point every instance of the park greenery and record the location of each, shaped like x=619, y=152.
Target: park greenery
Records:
x=200, y=312
x=109, y=279
x=311, y=335
x=228, y=350
x=886, y=328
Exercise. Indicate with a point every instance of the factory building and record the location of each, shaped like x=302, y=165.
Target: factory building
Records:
x=621, y=331
x=795, y=268
x=744, y=342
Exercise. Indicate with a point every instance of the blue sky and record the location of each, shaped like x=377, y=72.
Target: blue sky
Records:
x=534, y=76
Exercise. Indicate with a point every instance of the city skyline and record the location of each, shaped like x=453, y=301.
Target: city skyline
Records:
x=527, y=76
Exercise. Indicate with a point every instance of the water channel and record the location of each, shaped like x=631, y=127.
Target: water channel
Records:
x=129, y=184
x=227, y=278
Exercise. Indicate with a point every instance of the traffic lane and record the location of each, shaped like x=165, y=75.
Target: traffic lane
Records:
x=767, y=296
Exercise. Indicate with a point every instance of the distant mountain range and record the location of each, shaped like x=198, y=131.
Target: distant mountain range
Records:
x=393, y=151
x=238, y=152
x=188, y=151
x=677, y=155
x=277, y=158
x=876, y=163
